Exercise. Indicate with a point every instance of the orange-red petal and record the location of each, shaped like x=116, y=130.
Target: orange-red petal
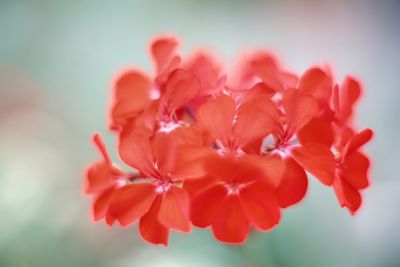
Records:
x=271, y=166
x=131, y=95
x=255, y=118
x=174, y=209
x=299, y=108
x=189, y=162
x=357, y=141
x=241, y=169
x=205, y=204
x=101, y=203
x=217, y=116
x=260, y=206
x=316, y=159
x=97, y=177
x=150, y=228
x=163, y=51
x=164, y=151
x=293, y=185
x=350, y=92
x=266, y=67
x=181, y=87
x=355, y=170
x=317, y=130
x=131, y=202
x=231, y=225
x=316, y=82
x=135, y=150
x=347, y=196
x=205, y=67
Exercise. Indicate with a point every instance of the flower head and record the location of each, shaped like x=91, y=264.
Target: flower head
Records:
x=226, y=152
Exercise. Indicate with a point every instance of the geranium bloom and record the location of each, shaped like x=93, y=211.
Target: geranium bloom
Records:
x=156, y=198
x=226, y=152
x=315, y=158
x=166, y=100
x=133, y=90
x=352, y=171
x=232, y=197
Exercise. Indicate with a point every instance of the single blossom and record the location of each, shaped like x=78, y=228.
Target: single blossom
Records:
x=157, y=200
x=233, y=197
x=352, y=171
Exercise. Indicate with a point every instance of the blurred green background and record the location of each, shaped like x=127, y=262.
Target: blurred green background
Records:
x=56, y=63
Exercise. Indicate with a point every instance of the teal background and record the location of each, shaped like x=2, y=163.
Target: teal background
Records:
x=57, y=59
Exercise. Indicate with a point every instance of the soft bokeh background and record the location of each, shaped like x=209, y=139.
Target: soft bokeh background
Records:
x=56, y=62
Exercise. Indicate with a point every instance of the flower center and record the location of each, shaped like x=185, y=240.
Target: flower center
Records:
x=121, y=182
x=162, y=186
x=168, y=126
x=224, y=151
x=234, y=188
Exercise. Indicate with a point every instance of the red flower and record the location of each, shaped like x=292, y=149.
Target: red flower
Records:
x=299, y=109
x=159, y=201
x=232, y=126
x=234, y=196
x=134, y=90
x=352, y=172
x=229, y=157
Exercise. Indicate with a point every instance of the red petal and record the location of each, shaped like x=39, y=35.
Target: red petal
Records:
x=357, y=141
x=204, y=66
x=206, y=203
x=271, y=167
x=131, y=202
x=192, y=135
x=266, y=67
x=189, y=162
x=135, y=151
x=355, y=170
x=164, y=150
x=299, y=108
x=254, y=147
x=260, y=206
x=317, y=130
x=196, y=186
x=101, y=204
x=174, y=209
x=347, y=196
x=316, y=82
x=216, y=117
x=131, y=95
x=181, y=87
x=257, y=90
x=150, y=228
x=293, y=186
x=350, y=91
x=97, y=177
x=316, y=159
x=231, y=225
x=100, y=175
x=240, y=169
x=163, y=51
x=343, y=137
x=256, y=118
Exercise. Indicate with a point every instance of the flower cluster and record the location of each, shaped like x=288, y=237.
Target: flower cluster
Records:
x=206, y=150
